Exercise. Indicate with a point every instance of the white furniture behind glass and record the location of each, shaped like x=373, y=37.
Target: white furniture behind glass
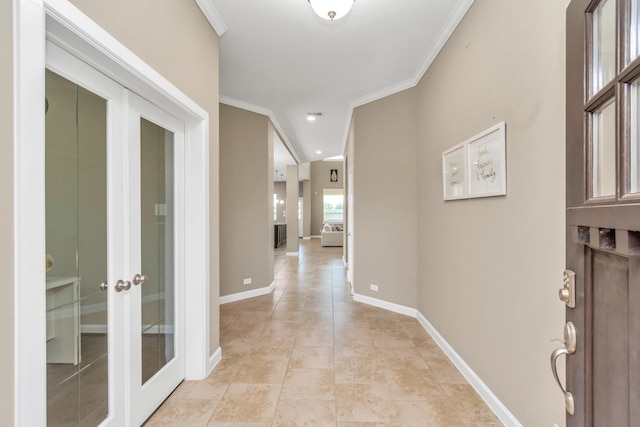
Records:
x=63, y=315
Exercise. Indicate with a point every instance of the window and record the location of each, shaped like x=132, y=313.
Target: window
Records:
x=333, y=202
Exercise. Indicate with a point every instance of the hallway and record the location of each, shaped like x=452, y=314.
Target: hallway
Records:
x=308, y=355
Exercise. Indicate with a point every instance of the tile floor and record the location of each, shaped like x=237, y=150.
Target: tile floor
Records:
x=307, y=355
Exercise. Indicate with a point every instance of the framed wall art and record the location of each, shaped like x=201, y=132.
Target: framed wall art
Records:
x=454, y=173
x=486, y=163
x=476, y=167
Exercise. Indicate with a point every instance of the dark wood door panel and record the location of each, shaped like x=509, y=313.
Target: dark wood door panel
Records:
x=610, y=339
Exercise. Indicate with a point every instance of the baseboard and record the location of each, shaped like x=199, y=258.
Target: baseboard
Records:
x=293, y=253
x=501, y=411
x=396, y=308
x=492, y=401
x=306, y=238
x=316, y=237
x=215, y=358
x=248, y=294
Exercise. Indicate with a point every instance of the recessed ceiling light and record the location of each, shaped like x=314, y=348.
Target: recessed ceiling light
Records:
x=313, y=116
x=318, y=152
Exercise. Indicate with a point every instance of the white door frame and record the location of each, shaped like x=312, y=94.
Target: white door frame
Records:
x=59, y=21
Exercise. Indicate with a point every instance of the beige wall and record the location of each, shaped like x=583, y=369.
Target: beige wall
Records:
x=293, y=191
x=306, y=210
x=321, y=180
x=6, y=215
x=385, y=198
x=271, y=136
x=245, y=201
x=489, y=269
x=348, y=191
x=178, y=42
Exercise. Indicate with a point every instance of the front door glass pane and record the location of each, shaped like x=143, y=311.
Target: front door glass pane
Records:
x=76, y=244
x=603, y=45
x=603, y=151
x=157, y=228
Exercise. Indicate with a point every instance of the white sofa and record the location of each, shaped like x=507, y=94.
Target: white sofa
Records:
x=332, y=235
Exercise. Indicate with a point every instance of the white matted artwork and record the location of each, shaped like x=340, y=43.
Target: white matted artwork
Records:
x=454, y=173
x=486, y=163
x=476, y=167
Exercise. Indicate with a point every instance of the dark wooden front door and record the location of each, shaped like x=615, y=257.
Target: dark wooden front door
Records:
x=603, y=210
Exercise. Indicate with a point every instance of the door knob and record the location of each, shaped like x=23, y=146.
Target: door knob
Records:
x=569, y=348
x=121, y=285
x=140, y=279
x=104, y=286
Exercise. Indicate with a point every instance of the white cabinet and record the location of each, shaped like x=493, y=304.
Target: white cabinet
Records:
x=63, y=316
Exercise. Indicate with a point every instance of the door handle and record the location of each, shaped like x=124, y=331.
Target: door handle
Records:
x=140, y=279
x=121, y=285
x=569, y=348
x=104, y=286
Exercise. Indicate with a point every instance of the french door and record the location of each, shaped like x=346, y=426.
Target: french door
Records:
x=115, y=249
x=602, y=283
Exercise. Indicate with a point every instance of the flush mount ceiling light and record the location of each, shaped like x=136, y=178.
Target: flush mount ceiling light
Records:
x=331, y=9
x=313, y=116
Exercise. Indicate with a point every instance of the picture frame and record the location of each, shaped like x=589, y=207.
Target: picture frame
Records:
x=455, y=172
x=486, y=163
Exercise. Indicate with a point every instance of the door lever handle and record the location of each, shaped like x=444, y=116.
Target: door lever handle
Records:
x=568, y=397
x=570, y=348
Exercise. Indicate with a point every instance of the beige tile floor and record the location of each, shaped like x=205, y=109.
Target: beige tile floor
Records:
x=307, y=355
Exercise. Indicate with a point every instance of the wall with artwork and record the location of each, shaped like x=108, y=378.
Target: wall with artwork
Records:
x=324, y=175
x=489, y=267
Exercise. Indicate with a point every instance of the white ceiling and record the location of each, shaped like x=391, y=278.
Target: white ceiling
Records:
x=278, y=58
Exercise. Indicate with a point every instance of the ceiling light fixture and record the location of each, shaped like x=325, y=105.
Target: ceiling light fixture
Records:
x=331, y=9
x=313, y=116
x=318, y=152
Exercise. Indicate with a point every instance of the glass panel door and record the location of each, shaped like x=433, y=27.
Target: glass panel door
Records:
x=115, y=250
x=156, y=201
x=76, y=241
x=157, y=295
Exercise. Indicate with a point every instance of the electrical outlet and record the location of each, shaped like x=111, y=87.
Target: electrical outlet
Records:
x=373, y=287
x=246, y=281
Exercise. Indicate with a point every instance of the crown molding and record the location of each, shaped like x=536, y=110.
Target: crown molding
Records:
x=213, y=16
x=458, y=13
x=265, y=112
x=461, y=9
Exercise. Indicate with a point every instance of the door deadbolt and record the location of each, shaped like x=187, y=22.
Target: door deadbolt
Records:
x=568, y=291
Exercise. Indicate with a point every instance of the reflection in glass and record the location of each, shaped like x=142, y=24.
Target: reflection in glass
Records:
x=156, y=180
x=76, y=244
x=604, y=45
x=603, y=151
